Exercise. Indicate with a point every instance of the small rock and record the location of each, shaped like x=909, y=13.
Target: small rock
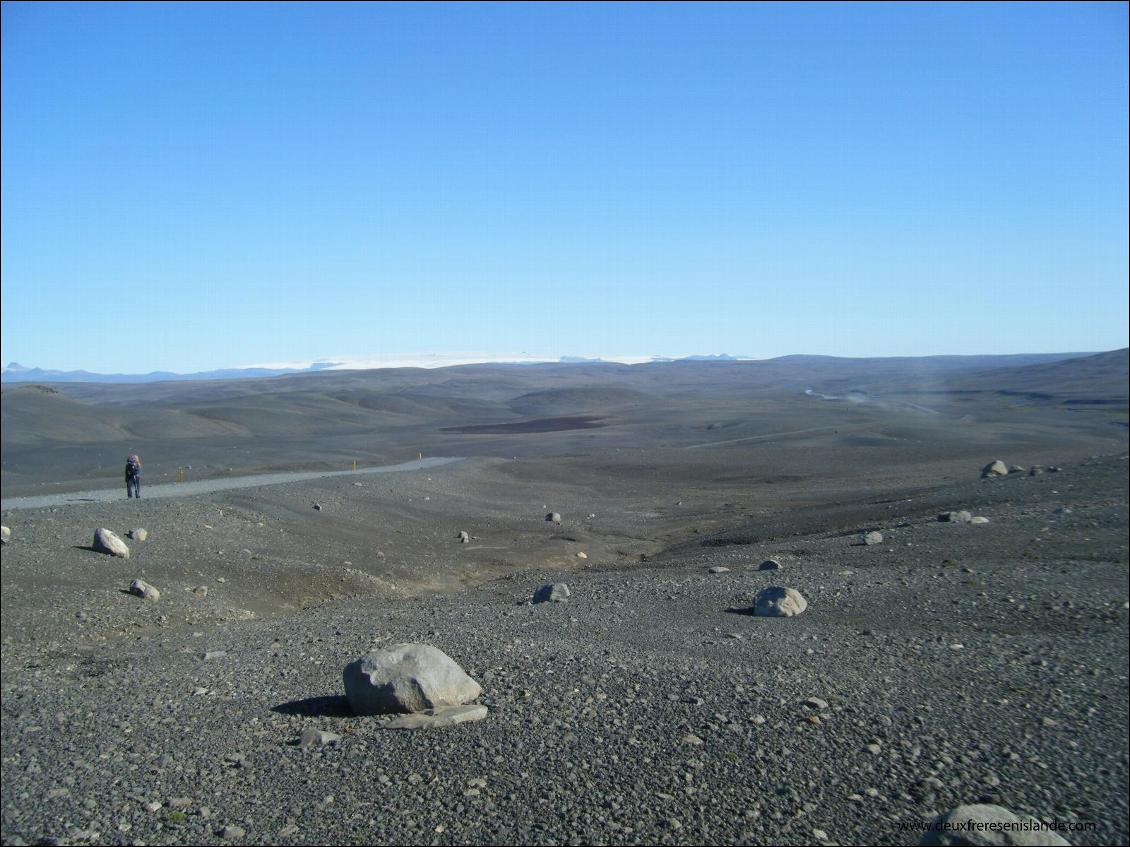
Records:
x=438, y=718
x=5, y=535
x=872, y=538
x=956, y=517
x=815, y=703
x=553, y=517
x=993, y=825
x=138, y=534
x=994, y=469
x=108, y=543
x=582, y=555
x=554, y=592
x=312, y=737
x=769, y=565
x=231, y=833
x=719, y=569
x=463, y=537
x=778, y=602
x=141, y=588
x=317, y=507
x=979, y=520
x=200, y=591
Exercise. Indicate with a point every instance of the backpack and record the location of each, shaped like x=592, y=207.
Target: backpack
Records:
x=133, y=467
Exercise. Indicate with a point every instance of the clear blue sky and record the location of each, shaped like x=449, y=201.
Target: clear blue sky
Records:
x=195, y=186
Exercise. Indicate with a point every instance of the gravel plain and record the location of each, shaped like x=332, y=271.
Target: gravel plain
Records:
x=951, y=663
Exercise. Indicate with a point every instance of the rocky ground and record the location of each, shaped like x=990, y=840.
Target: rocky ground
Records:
x=951, y=663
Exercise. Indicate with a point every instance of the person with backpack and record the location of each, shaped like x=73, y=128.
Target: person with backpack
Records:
x=133, y=477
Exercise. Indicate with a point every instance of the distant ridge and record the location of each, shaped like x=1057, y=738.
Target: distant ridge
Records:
x=15, y=373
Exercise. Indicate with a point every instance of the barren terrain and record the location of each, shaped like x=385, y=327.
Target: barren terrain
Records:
x=957, y=663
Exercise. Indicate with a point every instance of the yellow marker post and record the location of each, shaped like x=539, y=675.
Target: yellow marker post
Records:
x=419, y=455
x=354, y=464
x=180, y=474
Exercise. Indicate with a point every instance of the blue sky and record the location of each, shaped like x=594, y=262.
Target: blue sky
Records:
x=195, y=186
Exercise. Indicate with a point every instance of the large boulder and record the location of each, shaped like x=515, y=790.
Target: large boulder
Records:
x=988, y=825
x=553, y=517
x=778, y=602
x=993, y=469
x=406, y=678
x=552, y=592
x=108, y=543
x=5, y=535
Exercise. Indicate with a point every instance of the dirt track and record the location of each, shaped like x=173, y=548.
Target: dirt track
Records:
x=207, y=486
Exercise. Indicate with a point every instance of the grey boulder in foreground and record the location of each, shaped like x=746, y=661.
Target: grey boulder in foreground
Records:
x=108, y=543
x=778, y=602
x=983, y=824
x=406, y=678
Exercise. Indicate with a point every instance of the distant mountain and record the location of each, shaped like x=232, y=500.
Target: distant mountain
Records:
x=15, y=372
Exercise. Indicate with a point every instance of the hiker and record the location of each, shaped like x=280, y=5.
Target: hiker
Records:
x=133, y=477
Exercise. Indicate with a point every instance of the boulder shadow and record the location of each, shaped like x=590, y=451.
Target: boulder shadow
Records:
x=741, y=610
x=335, y=706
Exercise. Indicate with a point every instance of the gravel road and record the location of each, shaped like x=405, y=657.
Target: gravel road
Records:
x=208, y=486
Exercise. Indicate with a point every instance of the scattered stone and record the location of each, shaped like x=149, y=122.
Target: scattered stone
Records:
x=141, y=588
x=719, y=569
x=212, y=655
x=1035, y=470
x=993, y=469
x=552, y=592
x=956, y=517
x=138, y=534
x=5, y=535
x=872, y=538
x=582, y=555
x=463, y=537
x=1062, y=510
x=317, y=507
x=984, y=824
x=553, y=517
x=180, y=802
x=769, y=565
x=231, y=833
x=108, y=543
x=438, y=718
x=1016, y=469
x=979, y=520
x=778, y=602
x=200, y=591
x=312, y=737
x=406, y=678
x=815, y=703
